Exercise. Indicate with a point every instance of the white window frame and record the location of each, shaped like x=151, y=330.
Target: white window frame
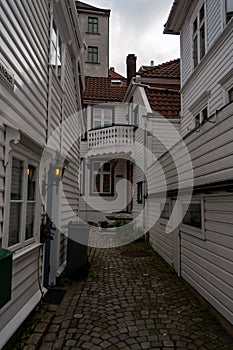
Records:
x=201, y=117
x=57, y=47
x=102, y=117
x=197, y=35
x=227, y=84
x=164, y=220
x=101, y=172
x=192, y=230
x=22, y=236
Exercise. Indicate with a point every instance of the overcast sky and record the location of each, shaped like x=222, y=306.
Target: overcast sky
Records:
x=136, y=26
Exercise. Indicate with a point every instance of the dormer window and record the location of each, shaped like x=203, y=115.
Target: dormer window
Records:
x=199, y=37
x=229, y=10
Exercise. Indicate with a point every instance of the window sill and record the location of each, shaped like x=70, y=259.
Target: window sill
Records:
x=92, y=62
x=193, y=231
x=25, y=250
x=93, y=33
x=102, y=194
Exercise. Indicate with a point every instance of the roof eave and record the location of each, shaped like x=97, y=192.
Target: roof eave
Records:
x=178, y=13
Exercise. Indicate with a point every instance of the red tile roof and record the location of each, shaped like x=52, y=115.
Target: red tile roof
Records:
x=169, y=70
x=114, y=75
x=164, y=101
x=103, y=89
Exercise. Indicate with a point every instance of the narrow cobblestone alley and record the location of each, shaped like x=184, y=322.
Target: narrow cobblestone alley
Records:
x=129, y=302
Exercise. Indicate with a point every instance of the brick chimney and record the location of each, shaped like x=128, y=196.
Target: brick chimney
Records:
x=131, y=67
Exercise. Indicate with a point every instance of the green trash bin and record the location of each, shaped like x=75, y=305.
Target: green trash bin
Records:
x=5, y=276
x=77, y=259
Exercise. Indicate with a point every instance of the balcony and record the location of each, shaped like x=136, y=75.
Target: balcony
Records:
x=112, y=139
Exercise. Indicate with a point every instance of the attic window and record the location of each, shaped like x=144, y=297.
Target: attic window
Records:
x=116, y=82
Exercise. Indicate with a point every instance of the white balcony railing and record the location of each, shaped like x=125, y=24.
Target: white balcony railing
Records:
x=118, y=135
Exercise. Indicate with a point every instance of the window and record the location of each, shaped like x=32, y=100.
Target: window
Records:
x=92, y=54
x=230, y=95
x=92, y=24
x=200, y=117
x=22, y=202
x=55, y=50
x=199, y=37
x=102, y=117
x=165, y=214
x=193, y=215
x=82, y=177
x=140, y=192
x=229, y=10
x=102, y=178
x=136, y=115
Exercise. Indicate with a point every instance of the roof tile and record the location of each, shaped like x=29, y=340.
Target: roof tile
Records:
x=102, y=89
x=166, y=102
x=169, y=69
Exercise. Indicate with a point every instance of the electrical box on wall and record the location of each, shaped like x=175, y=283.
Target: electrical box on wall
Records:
x=5, y=276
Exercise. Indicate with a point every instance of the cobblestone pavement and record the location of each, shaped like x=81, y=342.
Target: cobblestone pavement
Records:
x=131, y=303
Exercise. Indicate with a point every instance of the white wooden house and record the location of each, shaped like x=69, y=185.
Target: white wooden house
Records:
x=154, y=99
x=106, y=149
x=40, y=78
x=201, y=246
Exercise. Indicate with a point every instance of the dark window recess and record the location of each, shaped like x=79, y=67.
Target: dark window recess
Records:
x=166, y=211
x=193, y=216
x=139, y=192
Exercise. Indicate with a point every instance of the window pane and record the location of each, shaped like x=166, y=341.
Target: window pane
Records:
x=193, y=215
x=93, y=24
x=16, y=179
x=230, y=93
x=229, y=5
x=96, y=183
x=195, y=55
x=106, y=183
x=202, y=41
x=106, y=167
x=53, y=48
x=197, y=121
x=31, y=172
x=30, y=220
x=166, y=211
x=14, y=223
x=202, y=13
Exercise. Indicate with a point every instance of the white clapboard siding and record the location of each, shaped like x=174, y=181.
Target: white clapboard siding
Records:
x=159, y=239
x=138, y=174
x=71, y=129
x=207, y=77
x=208, y=265
x=211, y=153
x=24, y=283
x=214, y=20
x=24, y=52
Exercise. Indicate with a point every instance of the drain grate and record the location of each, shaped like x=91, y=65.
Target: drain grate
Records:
x=54, y=296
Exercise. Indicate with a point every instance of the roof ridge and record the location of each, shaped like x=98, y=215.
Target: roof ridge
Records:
x=84, y=5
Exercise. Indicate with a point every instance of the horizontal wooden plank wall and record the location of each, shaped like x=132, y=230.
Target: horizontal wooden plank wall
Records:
x=208, y=264
x=211, y=153
x=161, y=241
x=24, y=283
x=208, y=75
x=24, y=52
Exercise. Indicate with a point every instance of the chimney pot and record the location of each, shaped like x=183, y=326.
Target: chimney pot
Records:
x=152, y=63
x=131, y=67
x=112, y=69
